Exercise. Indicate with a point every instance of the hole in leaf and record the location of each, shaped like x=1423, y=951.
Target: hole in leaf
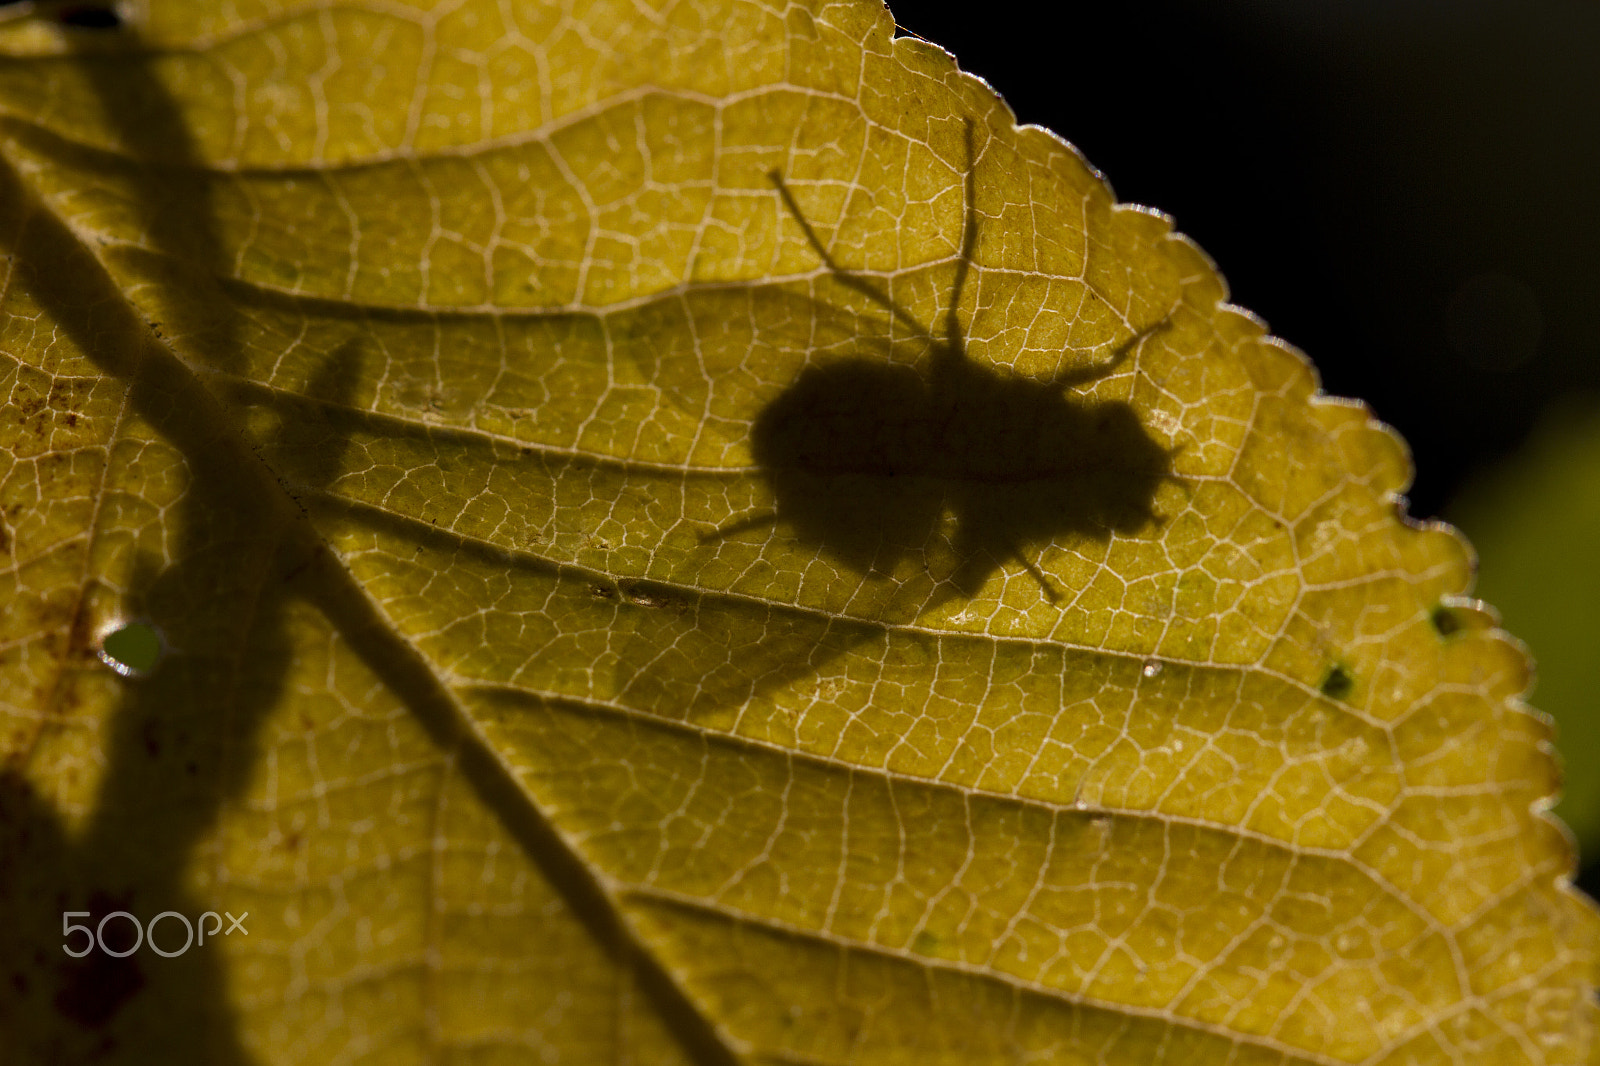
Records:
x=1445, y=621
x=1339, y=683
x=132, y=650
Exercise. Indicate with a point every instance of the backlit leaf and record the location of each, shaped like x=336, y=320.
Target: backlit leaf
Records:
x=680, y=534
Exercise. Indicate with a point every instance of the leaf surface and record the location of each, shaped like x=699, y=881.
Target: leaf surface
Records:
x=684, y=535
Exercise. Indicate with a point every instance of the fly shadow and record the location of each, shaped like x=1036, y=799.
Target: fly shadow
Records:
x=866, y=459
x=931, y=475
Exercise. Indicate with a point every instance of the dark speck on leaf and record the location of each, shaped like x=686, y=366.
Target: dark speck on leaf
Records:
x=1339, y=683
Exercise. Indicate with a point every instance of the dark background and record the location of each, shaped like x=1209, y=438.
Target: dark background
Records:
x=1407, y=190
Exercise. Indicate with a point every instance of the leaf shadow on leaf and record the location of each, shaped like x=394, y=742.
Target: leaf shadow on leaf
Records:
x=183, y=742
x=178, y=744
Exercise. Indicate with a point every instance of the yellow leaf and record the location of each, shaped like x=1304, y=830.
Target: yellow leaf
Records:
x=603, y=533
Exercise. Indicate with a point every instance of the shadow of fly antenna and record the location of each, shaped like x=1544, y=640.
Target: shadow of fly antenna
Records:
x=871, y=461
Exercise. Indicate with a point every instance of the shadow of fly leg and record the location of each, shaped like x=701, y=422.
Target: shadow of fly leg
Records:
x=955, y=343
x=740, y=525
x=846, y=277
x=1068, y=379
x=980, y=563
x=949, y=353
x=1046, y=586
x=969, y=240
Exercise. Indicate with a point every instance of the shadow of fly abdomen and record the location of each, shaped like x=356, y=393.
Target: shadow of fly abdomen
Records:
x=867, y=459
x=1025, y=464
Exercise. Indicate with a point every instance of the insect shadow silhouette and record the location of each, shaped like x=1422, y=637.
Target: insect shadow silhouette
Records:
x=864, y=458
